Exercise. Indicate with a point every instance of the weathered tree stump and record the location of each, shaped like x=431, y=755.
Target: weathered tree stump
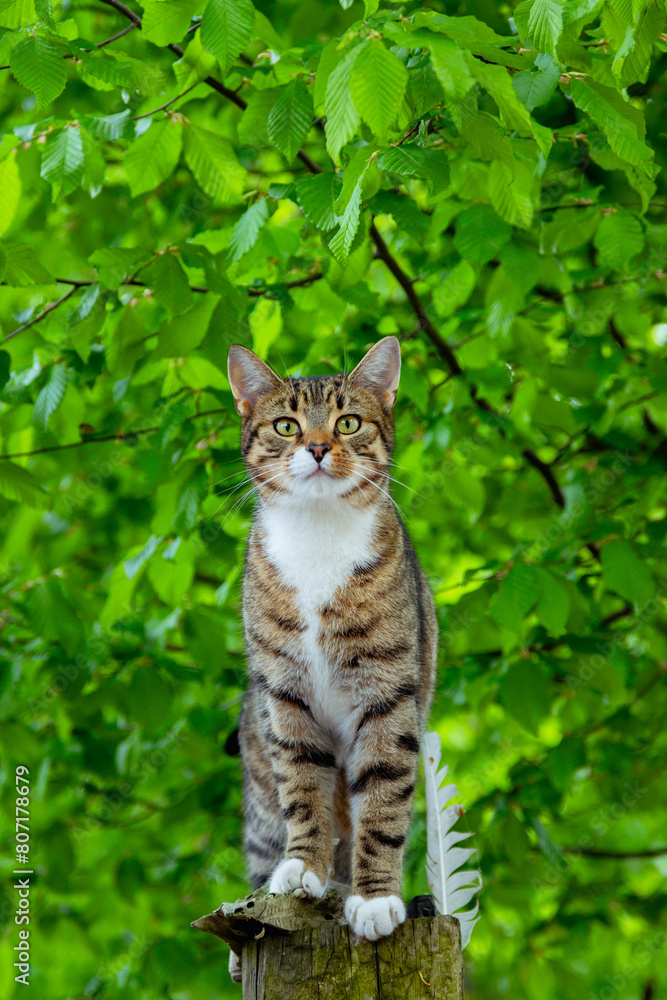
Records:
x=294, y=949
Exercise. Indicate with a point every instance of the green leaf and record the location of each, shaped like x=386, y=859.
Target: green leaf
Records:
x=553, y=607
x=184, y=333
x=498, y=82
x=23, y=267
x=290, y=119
x=455, y=289
x=170, y=284
x=226, y=29
x=17, y=13
x=414, y=161
x=480, y=234
x=105, y=71
x=39, y=66
x=5, y=368
x=10, y=191
x=196, y=373
x=152, y=158
x=253, y=127
x=633, y=59
x=342, y=116
x=132, y=565
x=214, y=165
x=16, y=483
x=50, y=396
x=111, y=127
x=127, y=340
x=166, y=21
x=564, y=760
x=349, y=223
x=377, y=85
x=625, y=573
x=404, y=212
x=115, y=263
x=247, y=229
x=316, y=196
x=424, y=89
x=618, y=239
x=450, y=68
x=62, y=161
x=622, y=124
x=510, y=193
x=518, y=593
x=525, y=691
x=352, y=176
x=536, y=88
x=545, y=23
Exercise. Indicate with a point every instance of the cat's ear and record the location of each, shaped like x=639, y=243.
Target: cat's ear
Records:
x=380, y=370
x=249, y=378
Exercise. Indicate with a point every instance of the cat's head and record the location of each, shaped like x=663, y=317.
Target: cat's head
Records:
x=320, y=437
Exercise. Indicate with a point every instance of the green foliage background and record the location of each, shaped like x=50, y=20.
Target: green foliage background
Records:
x=303, y=178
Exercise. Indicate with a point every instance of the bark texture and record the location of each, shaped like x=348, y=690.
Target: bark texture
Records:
x=421, y=959
x=293, y=949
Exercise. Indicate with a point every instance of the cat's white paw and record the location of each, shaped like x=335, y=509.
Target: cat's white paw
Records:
x=235, y=967
x=293, y=876
x=374, y=918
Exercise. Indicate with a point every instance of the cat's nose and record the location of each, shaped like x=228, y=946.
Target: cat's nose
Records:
x=318, y=451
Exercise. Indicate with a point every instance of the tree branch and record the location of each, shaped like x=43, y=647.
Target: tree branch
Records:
x=44, y=313
x=107, y=41
x=253, y=293
x=547, y=474
x=118, y=436
x=425, y=323
x=621, y=855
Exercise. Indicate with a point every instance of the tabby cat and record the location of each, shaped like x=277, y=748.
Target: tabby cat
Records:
x=341, y=637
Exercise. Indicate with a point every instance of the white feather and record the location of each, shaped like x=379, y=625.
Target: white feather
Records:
x=451, y=888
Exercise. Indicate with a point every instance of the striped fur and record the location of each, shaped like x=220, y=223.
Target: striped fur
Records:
x=341, y=639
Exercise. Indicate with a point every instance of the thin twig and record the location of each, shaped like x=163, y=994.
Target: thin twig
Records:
x=107, y=41
x=252, y=293
x=45, y=312
x=163, y=107
x=118, y=436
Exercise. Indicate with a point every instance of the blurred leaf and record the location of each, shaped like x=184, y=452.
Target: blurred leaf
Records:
x=626, y=574
x=169, y=283
x=518, y=594
x=17, y=483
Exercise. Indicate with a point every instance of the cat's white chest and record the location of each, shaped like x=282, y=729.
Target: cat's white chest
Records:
x=316, y=549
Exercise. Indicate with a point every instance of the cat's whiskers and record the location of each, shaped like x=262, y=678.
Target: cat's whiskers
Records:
x=231, y=490
x=386, y=474
x=355, y=469
x=255, y=489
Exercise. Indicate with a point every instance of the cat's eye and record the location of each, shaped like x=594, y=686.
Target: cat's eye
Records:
x=348, y=424
x=286, y=427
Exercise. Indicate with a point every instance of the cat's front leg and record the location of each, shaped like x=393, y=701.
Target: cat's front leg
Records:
x=382, y=770
x=304, y=768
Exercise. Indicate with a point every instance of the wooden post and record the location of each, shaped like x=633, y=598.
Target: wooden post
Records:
x=294, y=949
